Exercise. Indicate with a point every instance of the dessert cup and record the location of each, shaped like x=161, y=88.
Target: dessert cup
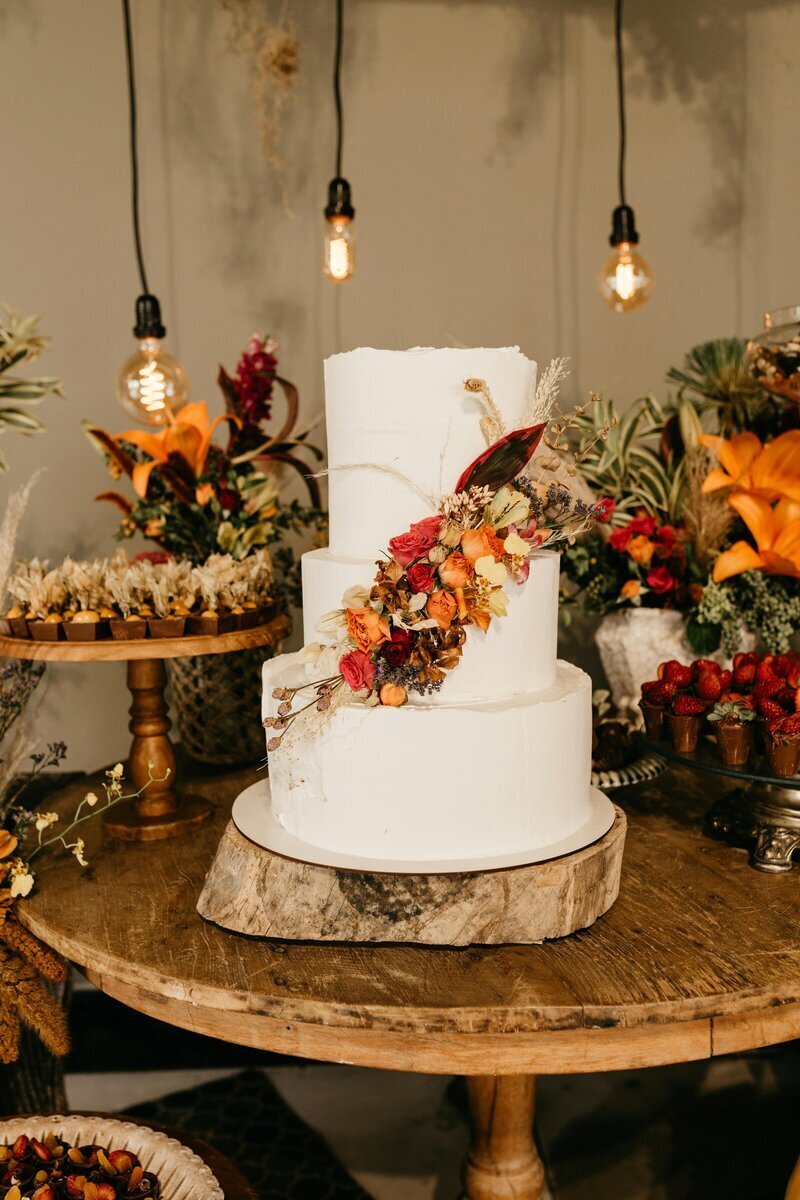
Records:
x=127, y=629
x=166, y=627
x=685, y=731
x=734, y=739
x=86, y=631
x=653, y=719
x=46, y=631
x=783, y=754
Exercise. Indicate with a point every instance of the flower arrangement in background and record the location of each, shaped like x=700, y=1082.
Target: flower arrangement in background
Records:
x=448, y=573
x=707, y=514
x=195, y=497
x=20, y=343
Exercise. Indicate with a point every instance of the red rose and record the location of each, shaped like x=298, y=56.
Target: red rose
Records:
x=603, y=509
x=358, y=670
x=659, y=580
x=421, y=578
x=398, y=649
x=619, y=539
x=668, y=534
x=156, y=557
x=645, y=525
x=408, y=547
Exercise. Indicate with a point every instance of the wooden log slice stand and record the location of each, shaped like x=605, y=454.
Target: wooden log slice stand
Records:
x=256, y=891
x=162, y=811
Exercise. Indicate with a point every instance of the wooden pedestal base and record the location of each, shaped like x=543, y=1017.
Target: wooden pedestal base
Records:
x=160, y=812
x=258, y=892
x=502, y=1162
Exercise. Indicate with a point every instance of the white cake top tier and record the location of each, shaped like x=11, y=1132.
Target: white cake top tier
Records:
x=408, y=409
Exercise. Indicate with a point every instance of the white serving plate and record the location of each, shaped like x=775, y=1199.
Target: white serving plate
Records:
x=253, y=817
x=182, y=1174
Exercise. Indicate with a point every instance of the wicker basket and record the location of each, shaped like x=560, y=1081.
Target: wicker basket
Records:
x=216, y=701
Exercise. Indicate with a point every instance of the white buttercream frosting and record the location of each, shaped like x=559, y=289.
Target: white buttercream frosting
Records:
x=455, y=781
x=408, y=409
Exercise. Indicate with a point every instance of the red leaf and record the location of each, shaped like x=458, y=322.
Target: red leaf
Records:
x=503, y=461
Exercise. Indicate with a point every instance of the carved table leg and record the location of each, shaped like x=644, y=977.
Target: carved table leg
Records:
x=159, y=812
x=502, y=1162
x=775, y=845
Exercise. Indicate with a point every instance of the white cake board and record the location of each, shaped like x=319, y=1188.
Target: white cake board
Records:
x=253, y=817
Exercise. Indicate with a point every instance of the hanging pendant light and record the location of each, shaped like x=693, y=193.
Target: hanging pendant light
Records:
x=625, y=281
x=339, y=245
x=151, y=385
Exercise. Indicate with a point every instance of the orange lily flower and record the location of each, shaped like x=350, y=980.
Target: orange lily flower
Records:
x=776, y=532
x=748, y=466
x=188, y=435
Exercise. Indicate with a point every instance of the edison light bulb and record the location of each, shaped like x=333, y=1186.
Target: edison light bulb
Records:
x=625, y=281
x=151, y=384
x=339, y=246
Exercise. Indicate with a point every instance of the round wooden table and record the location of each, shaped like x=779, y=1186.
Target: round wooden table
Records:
x=700, y=956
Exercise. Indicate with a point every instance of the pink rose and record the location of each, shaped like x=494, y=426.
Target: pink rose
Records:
x=408, y=547
x=420, y=577
x=358, y=670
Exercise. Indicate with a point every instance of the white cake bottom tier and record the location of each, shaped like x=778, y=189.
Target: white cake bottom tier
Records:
x=517, y=653
x=451, y=782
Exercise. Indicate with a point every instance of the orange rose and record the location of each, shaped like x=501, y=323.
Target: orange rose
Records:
x=477, y=543
x=456, y=571
x=367, y=628
x=392, y=695
x=8, y=843
x=442, y=608
x=641, y=549
x=631, y=589
x=203, y=493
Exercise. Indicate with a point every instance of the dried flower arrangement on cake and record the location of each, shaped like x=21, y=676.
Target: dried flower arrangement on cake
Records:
x=196, y=498
x=52, y=1168
x=707, y=516
x=448, y=572
x=153, y=595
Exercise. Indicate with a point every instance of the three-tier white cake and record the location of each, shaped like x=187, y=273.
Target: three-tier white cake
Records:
x=498, y=762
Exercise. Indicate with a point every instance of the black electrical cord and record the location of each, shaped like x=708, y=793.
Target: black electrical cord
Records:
x=337, y=84
x=137, y=233
x=623, y=131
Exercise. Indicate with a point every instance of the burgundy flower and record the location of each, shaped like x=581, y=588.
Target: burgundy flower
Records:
x=255, y=376
x=397, y=650
x=421, y=577
x=659, y=580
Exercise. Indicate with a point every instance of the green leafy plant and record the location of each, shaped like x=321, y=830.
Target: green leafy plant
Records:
x=628, y=457
x=20, y=343
x=715, y=376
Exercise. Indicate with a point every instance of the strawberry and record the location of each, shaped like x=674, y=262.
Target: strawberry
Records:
x=770, y=710
x=737, y=698
x=791, y=724
x=781, y=665
x=687, y=706
x=793, y=676
x=675, y=672
x=744, y=674
x=726, y=678
x=658, y=691
x=20, y=1147
x=767, y=687
x=764, y=671
x=706, y=664
x=748, y=656
x=709, y=686
x=41, y=1151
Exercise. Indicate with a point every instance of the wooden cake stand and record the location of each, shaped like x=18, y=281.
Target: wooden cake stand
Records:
x=162, y=811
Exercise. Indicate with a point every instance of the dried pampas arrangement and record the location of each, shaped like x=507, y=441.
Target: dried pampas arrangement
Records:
x=274, y=52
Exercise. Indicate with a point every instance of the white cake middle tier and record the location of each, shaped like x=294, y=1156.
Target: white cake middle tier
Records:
x=464, y=781
x=516, y=654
